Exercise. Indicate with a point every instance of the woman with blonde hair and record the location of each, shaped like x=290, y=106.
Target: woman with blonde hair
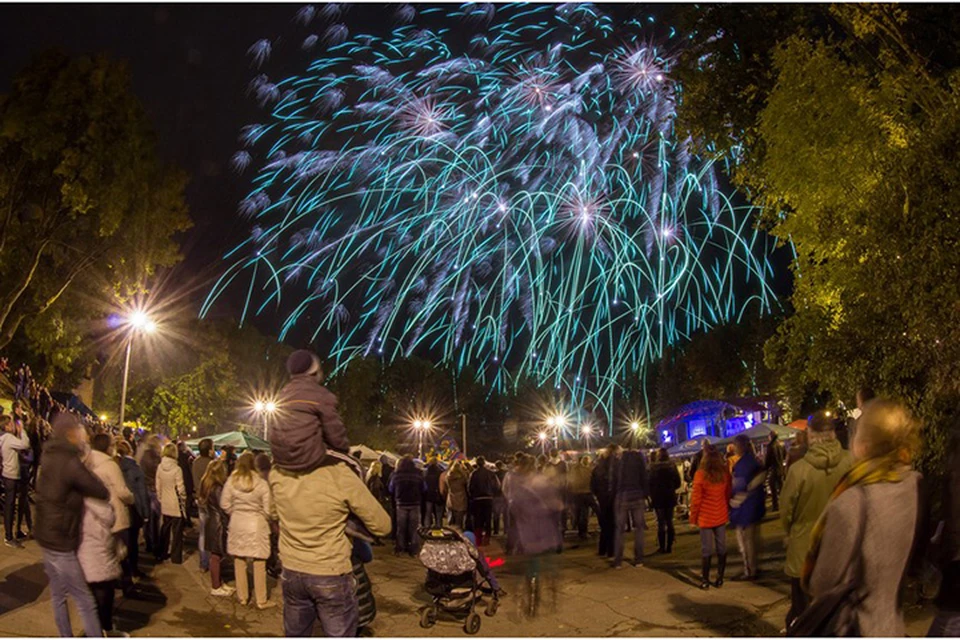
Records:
x=867, y=530
x=453, y=482
x=172, y=494
x=246, y=498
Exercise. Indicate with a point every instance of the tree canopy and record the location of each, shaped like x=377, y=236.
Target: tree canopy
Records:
x=87, y=210
x=846, y=119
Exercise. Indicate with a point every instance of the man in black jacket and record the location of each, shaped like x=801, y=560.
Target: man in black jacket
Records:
x=62, y=485
x=433, y=498
x=631, y=489
x=482, y=488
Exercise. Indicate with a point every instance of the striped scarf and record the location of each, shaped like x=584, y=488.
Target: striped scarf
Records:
x=889, y=468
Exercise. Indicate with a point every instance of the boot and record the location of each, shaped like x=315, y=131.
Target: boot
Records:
x=661, y=540
x=721, y=567
x=705, y=572
x=670, y=536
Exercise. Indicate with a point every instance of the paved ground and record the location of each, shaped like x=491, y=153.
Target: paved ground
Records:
x=659, y=599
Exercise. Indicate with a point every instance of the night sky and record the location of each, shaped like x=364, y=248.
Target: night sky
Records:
x=189, y=69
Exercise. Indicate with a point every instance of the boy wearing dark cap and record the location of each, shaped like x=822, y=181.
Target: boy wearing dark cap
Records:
x=307, y=425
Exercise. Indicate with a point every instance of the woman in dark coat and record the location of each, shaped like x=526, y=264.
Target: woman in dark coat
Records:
x=664, y=482
x=747, y=506
x=215, y=533
x=602, y=486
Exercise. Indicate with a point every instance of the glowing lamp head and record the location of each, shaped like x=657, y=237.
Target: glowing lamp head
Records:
x=587, y=430
x=270, y=407
x=103, y=417
x=635, y=426
x=543, y=436
x=259, y=406
x=140, y=321
x=418, y=424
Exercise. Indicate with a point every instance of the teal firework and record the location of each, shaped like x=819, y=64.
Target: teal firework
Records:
x=498, y=188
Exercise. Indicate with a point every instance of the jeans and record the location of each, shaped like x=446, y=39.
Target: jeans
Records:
x=434, y=514
x=10, y=494
x=606, y=518
x=330, y=599
x=625, y=510
x=23, y=500
x=748, y=539
x=202, y=542
x=66, y=578
x=103, y=593
x=171, y=540
x=482, y=519
x=152, y=531
x=582, y=504
x=408, y=519
x=665, y=531
x=713, y=541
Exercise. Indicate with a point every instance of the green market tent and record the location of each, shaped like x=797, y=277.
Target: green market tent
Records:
x=239, y=439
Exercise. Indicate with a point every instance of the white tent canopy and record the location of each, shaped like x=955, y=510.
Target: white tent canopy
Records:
x=366, y=453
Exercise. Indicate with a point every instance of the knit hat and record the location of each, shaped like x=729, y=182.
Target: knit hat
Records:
x=301, y=362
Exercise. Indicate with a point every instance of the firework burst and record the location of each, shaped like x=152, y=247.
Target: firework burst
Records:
x=498, y=187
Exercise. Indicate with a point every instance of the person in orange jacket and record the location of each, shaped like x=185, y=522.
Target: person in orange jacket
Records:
x=709, y=512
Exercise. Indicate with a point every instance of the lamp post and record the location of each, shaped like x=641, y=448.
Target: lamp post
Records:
x=543, y=441
x=420, y=426
x=587, y=430
x=265, y=408
x=556, y=423
x=138, y=322
x=635, y=430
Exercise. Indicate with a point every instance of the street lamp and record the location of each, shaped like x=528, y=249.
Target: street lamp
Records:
x=543, y=441
x=138, y=322
x=265, y=408
x=420, y=426
x=556, y=422
x=587, y=430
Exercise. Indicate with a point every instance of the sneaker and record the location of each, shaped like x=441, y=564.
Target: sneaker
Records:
x=269, y=604
x=116, y=634
x=224, y=591
x=13, y=544
x=21, y=535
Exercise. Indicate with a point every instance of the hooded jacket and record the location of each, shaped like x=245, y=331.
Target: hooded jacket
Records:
x=747, y=507
x=313, y=510
x=307, y=425
x=110, y=474
x=61, y=487
x=10, y=448
x=805, y=495
x=250, y=508
x=99, y=552
x=170, y=489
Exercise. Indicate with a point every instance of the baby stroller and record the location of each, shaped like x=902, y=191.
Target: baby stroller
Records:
x=457, y=578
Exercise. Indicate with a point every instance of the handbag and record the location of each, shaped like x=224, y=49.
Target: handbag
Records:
x=834, y=613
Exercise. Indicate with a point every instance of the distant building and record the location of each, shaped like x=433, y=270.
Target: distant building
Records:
x=717, y=418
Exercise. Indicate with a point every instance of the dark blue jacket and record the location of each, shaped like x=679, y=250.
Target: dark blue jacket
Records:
x=137, y=483
x=407, y=488
x=753, y=508
x=632, y=484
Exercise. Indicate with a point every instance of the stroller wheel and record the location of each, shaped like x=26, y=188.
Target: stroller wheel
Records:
x=472, y=625
x=428, y=617
x=491, y=609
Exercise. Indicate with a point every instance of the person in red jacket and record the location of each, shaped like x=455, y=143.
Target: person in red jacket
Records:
x=708, y=511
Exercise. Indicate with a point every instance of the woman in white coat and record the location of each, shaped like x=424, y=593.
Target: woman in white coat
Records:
x=172, y=495
x=100, y=556
x=246, y=498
